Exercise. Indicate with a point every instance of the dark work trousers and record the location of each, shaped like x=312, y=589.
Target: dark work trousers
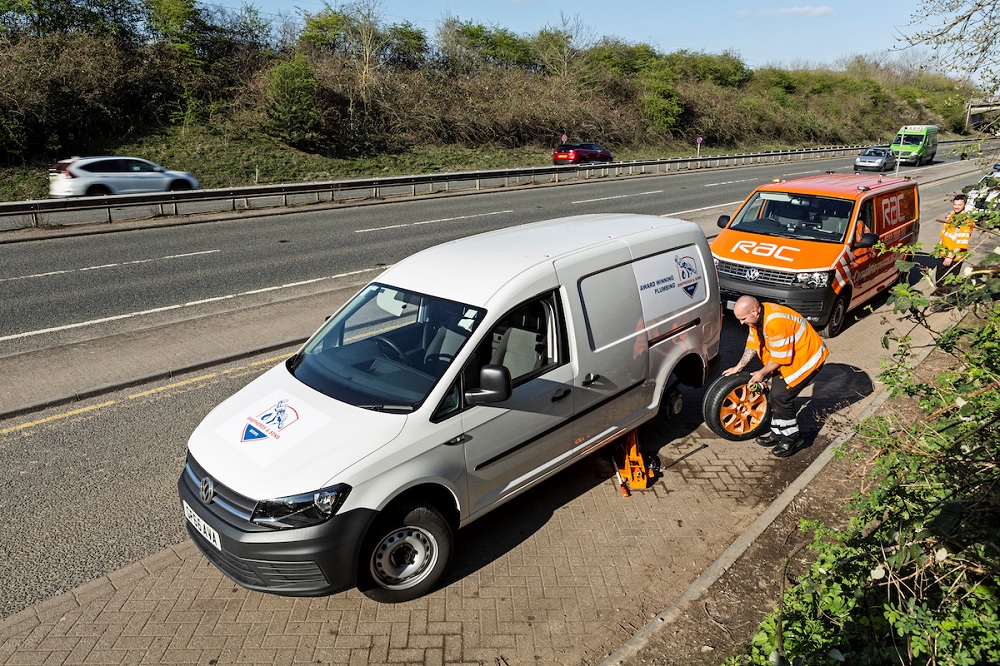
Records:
x=783, y=421
x=940, y=271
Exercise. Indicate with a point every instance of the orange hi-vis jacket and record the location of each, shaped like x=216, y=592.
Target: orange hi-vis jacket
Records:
x=955, y=237
x=790, y=341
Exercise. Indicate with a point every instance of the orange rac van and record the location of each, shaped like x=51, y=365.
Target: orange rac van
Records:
x=808, y=243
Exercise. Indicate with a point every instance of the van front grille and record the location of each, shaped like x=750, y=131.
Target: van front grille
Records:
x=765, y=275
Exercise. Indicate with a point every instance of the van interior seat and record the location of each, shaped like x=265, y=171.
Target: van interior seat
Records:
x=446, y=340
x=520, y=347
x=838, y=217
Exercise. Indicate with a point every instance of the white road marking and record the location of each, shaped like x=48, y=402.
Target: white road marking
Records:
x=178, y=306
x=102, y=266
x=443, y=219
x=733, y=182
x=621, y=196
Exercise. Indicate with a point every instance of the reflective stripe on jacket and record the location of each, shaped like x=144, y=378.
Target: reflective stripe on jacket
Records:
x=790, y=341
x=955, y=237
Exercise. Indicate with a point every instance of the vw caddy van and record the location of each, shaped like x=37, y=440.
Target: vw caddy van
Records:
x=457, y=380
x=809, y=243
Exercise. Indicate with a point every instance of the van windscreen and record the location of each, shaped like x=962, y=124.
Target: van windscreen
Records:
x=793, y=215
x=386, y=348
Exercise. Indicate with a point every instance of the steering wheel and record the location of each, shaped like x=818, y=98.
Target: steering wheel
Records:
x=435, y=359
x=389, y=349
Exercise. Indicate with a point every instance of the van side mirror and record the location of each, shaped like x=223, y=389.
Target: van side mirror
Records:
x=494, y=386
x=868, y=239
x=723, y=221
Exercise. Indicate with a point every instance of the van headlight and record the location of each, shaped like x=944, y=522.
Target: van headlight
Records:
x=300, y=510
x=813, y=280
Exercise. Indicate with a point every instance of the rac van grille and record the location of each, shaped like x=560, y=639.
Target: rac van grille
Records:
x=765, y=275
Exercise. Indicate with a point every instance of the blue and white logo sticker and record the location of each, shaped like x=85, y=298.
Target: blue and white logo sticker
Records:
x=270, y=423
x=268, y=428
x=688, y=276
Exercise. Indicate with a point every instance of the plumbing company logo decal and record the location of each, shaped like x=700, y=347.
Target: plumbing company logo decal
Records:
x=687, y=274
x=270, y=423
x=269, y=427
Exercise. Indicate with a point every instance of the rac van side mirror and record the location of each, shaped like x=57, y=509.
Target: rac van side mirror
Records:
x=723, y=221
x=494, y=386
x=867, y=240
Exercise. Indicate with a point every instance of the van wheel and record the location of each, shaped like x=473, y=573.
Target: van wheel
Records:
x=732, y=411
x=406, y=553
x=838, y=315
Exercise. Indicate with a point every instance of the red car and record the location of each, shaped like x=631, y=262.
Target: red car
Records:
x=578, y=153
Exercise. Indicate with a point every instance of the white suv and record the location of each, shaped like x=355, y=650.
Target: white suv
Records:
x=97, y=176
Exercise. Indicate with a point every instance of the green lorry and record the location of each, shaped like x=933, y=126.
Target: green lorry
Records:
x=916, y=144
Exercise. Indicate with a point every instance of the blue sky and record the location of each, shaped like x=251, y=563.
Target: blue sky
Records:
x=763, y=33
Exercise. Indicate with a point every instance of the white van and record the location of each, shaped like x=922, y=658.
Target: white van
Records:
x=461, y=377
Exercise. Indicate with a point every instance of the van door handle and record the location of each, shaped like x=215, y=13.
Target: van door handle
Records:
x=458, y=440
x=560, y=395
x=590, y=379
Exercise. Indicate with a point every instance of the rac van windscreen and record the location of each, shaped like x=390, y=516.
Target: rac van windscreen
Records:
x=798, y=216
x=386, y=348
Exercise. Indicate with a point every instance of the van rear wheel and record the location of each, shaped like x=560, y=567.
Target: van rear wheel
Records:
x=734, y=412
x=405, y=555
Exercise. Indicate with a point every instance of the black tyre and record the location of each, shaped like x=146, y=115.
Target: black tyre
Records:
x=97, y=191
x=734, y=412
x=405, y=555
x=838, y=316
x=179, y=186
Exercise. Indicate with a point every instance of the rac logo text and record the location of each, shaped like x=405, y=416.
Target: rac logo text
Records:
x=765, y=249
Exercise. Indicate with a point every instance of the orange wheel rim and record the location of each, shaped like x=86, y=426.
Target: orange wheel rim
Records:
x=742, y=411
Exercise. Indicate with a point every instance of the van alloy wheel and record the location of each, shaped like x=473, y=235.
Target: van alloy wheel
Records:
x=734, y=412
x=409, y=552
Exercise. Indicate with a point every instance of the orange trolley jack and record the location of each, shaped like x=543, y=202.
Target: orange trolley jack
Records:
x=632, y=473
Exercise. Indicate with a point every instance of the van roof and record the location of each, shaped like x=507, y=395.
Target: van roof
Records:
x=840, y=185
x=473, y=269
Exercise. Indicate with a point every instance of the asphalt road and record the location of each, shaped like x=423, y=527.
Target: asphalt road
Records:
x=63, y=290
x=88, y=488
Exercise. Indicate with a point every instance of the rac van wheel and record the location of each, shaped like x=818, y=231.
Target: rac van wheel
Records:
x=838, y=315
x=734, y=412
x=406, y=554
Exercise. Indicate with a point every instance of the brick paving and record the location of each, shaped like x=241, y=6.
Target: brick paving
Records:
x=561, y=575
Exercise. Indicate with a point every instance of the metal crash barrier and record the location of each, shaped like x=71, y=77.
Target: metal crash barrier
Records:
x=111, y=208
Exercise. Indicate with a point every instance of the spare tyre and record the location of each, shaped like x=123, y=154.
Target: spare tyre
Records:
x=734, y=412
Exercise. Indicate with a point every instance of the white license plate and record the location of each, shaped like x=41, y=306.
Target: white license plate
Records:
x=204, y=528
x=730, y=305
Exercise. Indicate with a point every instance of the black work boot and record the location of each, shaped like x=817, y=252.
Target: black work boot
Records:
x=786, y=446
x=769, y=439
